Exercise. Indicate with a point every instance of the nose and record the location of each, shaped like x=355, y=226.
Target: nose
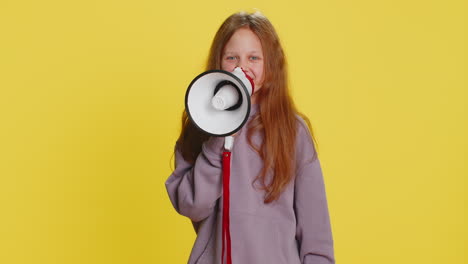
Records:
x=243, y=64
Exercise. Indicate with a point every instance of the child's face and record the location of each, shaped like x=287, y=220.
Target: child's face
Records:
x=245, y=50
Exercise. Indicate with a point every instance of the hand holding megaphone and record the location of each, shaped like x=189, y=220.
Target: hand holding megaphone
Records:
x=218, y=102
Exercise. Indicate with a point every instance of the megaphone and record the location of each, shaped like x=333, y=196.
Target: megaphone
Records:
x=218, y=101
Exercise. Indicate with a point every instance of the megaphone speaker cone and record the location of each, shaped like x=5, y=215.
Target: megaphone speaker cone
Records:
x=218, y=102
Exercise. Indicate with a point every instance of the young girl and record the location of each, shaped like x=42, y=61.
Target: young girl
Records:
x=278, y=205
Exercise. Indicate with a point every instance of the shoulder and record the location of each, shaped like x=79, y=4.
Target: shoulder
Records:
x=303, y=134
x=305, y=147
x=302, y=125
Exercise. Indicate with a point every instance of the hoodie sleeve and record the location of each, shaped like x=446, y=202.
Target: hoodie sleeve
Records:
x=313, y=230
x=194, y=189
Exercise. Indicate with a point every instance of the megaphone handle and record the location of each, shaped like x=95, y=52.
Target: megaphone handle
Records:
x=228, y=143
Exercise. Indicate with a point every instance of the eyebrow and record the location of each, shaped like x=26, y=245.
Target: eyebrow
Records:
x=250, y=52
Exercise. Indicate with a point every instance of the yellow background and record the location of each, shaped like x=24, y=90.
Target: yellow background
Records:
x=91, y=94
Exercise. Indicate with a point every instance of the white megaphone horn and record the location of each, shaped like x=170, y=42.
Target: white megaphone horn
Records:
x=218, y=102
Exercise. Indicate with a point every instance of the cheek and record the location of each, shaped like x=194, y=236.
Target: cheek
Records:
x=259, y=73
x=227, y=66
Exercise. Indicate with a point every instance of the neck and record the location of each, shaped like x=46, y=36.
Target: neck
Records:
x=254, y=98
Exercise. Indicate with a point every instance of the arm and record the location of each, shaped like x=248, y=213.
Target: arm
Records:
x=194, y=189
x=313, y=230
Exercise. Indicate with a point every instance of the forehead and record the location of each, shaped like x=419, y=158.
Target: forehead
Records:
x=243, y=40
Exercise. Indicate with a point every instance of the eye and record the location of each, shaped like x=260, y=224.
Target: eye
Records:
x=254, y=57
x=230, y=58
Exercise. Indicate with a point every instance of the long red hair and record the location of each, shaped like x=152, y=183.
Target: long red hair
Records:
x=277, y=118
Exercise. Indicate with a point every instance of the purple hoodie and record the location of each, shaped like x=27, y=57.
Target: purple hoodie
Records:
x=294, y=229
